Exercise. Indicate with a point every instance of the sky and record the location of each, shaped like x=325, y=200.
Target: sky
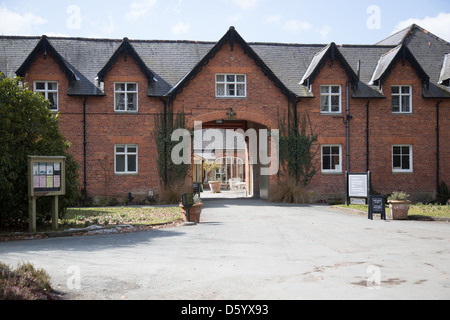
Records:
x=285, y=21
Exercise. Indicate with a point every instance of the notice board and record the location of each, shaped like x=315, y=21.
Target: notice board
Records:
x=46, y=176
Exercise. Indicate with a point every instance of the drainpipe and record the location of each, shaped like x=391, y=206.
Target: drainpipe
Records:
x=347, y=125
x=165, y=143
x=294, y=105
x=84, y=148
x=437, y=150
x=367, y=135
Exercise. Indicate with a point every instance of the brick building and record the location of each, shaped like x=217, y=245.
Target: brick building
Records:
x=382, y=108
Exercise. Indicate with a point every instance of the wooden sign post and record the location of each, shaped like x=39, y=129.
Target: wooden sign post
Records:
x=46, y=177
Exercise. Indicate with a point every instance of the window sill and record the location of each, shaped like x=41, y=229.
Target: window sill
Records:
x=331, y=172
x=230, y=98
x=402, y=172
x=331, y=113
x=125, y=112
x=402, y=113
x=122, y=174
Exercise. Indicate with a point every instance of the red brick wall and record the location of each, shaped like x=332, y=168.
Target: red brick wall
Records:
x=385, y=129
x=330, y=129
x=105, y=128
x=199, y=102
x=417, y=129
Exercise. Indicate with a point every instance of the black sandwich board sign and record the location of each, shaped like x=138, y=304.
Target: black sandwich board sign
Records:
x=377, y=204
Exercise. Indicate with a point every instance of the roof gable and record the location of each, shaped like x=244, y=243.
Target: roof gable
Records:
x=388, y=61
x=126, y=49
x=329, y=52
x=233, y=37
x=45, y=47
x=78, y=84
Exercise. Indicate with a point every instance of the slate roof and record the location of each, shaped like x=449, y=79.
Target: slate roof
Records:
x=171, y=63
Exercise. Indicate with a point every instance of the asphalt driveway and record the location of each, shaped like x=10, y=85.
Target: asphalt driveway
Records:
x=251, y=249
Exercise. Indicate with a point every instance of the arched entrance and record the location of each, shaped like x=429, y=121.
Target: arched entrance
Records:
x=232, y=146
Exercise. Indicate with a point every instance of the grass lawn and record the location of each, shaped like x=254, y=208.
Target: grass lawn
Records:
x=110, y=216
x=106, y=217
x=424, y=210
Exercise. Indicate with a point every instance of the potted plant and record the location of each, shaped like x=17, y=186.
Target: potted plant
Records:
x=210, y=168
x=194, y=212
x=399, y=205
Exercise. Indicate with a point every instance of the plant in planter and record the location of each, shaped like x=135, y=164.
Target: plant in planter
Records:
x=194, y=212
x=399, y=205
x=210, y=168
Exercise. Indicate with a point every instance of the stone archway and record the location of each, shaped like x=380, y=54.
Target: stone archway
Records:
x=256, y=184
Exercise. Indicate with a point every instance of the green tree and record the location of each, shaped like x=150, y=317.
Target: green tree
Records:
x=28, y=127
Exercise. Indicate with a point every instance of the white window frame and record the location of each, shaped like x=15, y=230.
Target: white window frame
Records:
x=329, y=95
x=400, y=94
x=126, y=92
x=410, y=154
x=339, y=167
x=46, y=91
x=126, y=153
x=227, y=84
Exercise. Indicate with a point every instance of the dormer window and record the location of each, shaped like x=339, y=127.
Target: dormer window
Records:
x=126, y=97
x=49, y=89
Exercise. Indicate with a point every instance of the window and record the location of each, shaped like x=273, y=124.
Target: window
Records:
x=402, y=158
x=401, y=99
x=330, y=99
x=231, y=85
x=331, y=158
x=126, y=97
x=50, y=92
x=126, y=159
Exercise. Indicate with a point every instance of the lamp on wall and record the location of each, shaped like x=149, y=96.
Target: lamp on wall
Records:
x=231, y=113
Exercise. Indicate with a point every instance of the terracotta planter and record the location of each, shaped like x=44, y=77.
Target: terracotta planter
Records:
x=215, y=186
x=194, y=213
x=399, y=209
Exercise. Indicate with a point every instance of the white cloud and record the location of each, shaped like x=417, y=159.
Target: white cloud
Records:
x=295, y=26
x=324, y=32
x=235, y=18
x=102, y=29
x=276, y=18
x=247, y=4
x=13, y=23
x=176, y=7
x=181, y=28
x=439, y=25
x=139, y=9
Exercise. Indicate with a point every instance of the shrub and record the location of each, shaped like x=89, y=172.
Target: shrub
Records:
x=290, y=190
x=398, y=195
x=444, y=193
x=25, y=283
x=28, y=127
x=171, y=193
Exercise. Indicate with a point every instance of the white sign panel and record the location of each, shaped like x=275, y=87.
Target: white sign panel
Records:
x=357, y=185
